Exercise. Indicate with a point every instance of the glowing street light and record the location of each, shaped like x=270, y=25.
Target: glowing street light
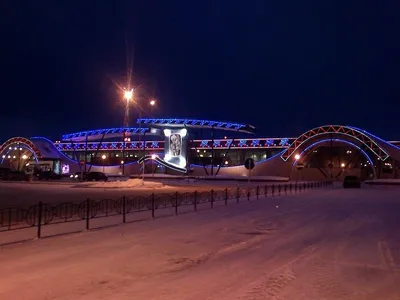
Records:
x=153, y=102
x=297, y=157
x=128, y=95
x=342, y=165
x=24, y=156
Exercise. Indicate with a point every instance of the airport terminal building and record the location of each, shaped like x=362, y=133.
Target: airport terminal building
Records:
x=208, y=148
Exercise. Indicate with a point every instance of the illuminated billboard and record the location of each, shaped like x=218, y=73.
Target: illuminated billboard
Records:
x=175, y=149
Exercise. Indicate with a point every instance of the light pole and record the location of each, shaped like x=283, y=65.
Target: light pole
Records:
x=103, y=157
x=128, y=96
x=152, y=104
x=296, y=158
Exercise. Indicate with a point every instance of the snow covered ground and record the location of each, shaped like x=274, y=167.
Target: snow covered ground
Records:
x=221, y=177
x=30, y=193
x=130, y=183
x=328, y=244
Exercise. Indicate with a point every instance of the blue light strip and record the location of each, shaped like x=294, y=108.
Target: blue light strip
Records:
x=335, y=140
x=375, y=137
x=120, y=130
x=197, y=123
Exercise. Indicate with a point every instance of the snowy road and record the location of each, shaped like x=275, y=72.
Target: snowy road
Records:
x=328, y=244
x=24, y=194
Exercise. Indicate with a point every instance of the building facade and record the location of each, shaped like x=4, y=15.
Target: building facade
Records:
x=174, y=146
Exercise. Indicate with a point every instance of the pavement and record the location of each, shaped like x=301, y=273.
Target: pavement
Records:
x=327, y=244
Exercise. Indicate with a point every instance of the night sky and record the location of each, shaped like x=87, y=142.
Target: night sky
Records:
x=283, y=66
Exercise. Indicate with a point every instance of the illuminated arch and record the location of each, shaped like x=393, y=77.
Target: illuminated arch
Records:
x=21, y=141
x=315, y=144
x=335, y=131
x=4, y=156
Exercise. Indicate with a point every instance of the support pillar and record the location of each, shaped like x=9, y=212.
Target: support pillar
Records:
x=212, y=150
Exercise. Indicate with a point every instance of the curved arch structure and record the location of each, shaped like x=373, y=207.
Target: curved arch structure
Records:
x=319, y=142
x=23, y=147
x=21, y=140
x=335, y=131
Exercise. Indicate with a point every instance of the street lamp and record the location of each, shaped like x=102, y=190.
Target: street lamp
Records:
x=296, y=158
x=103, y=157
x=128, y=96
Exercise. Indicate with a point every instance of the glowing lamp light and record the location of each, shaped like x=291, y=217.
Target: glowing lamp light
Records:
x=183, y=132
x=342, y=165
x=103, y=156
x=122, y=162
x=4, y=156
x=24, y=156
x=128, y=95
x=152, y=102
x=167, y=132
x=226, y=162
x=297, y=157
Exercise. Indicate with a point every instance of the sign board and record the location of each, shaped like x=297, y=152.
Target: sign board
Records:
x=176, y=147
x=249, y=164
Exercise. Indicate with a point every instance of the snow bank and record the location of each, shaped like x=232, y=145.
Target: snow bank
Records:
x=387, y=181
x=219, y=177
x=245, y=178
x=130, y=183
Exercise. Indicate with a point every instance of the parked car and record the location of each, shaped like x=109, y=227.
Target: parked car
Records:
x=78, y=175
x=16, y=176
x=48, y=175
x=351, y=182
x=96, y=176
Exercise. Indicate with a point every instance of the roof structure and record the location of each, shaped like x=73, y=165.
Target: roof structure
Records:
x=192, y=123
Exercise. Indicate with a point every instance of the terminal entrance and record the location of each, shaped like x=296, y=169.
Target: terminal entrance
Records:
x=334, y=160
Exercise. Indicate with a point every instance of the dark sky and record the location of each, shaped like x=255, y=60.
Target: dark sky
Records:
x=283, y=66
